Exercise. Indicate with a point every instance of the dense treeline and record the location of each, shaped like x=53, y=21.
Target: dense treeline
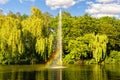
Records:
x=25, y=39
x=28, y=39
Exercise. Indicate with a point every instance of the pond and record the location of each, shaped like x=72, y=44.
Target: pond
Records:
x=71, y=72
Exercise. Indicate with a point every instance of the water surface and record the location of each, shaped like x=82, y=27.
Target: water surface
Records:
x=72, y=72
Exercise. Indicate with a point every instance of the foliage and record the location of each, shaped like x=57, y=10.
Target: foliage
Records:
x=29, y=39
x=114, y=57
x=88, y=46
x=98, y=46
x=24, y=41
x=39, y=37
x=11, y=44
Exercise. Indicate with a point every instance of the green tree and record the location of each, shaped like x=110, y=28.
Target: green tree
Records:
x=37, y=37
x=11, y=45
x=35, y=12
x=110, y=27
x=98, y=46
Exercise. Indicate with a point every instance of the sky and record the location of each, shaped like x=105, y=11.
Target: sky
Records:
x=96, y=8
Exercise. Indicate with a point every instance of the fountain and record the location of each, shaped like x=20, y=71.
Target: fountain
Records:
x=59, y=45
x=55, y=60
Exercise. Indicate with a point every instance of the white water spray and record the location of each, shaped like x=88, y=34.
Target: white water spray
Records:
x=55, y=60
x=60, y=37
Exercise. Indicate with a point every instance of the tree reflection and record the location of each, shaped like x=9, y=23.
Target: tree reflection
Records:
x=81, y=72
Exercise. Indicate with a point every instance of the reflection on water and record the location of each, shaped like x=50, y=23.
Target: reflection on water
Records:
x=73, y=72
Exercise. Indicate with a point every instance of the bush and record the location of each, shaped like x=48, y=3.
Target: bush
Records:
x=114, y=57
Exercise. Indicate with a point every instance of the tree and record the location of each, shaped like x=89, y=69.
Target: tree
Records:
x=98, y=46
x=110, y=27
x=11, y=45
x=1, y=12
x=24, y=16
x=11, y=14
x=35, y=12
x=37, y=37
x=66, y=14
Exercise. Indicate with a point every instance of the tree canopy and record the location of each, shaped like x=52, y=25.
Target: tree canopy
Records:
x=33, y=38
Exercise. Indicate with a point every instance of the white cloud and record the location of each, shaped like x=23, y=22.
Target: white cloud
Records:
x=21, y=1
x=54, y=4
x=3, y=1
x=105, y=1
x=102, y=15
x=104, y=9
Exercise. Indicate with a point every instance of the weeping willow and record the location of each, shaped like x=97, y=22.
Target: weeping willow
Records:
x=34, y=26
x=34, y=32
x=50, y=44
x=10, y=38
x=32, y=35
x=25, y=39
x=98, y=46
x=40, y=46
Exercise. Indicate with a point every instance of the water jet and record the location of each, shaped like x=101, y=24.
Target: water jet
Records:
x=55, y=60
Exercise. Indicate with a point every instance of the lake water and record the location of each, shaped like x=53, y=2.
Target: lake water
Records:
x=71, y=72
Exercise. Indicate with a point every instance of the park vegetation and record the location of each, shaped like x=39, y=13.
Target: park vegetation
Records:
x=28, y=39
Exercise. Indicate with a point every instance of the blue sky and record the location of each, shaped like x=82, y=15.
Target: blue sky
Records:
x=95, y=8
x=16, y=6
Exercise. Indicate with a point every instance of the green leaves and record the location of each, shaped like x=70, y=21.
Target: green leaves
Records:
x=88, y=46
x=11, y=44
x=78, y=48
x=25, y=39
x=40, y=39
x=34, y=37
x=98, y=47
